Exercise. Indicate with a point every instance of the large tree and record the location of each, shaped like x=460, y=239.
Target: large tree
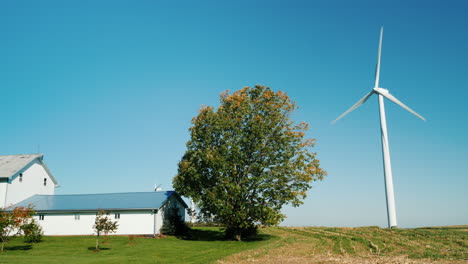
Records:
x=247, y=159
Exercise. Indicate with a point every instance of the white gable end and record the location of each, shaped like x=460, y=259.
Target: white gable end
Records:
x=33, y=178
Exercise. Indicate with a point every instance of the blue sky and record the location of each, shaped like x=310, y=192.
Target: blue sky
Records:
x=107, y=89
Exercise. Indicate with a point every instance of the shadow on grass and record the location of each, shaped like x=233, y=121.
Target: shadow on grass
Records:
x=11, y=248
x=261, y=237
x=97, y=250
x=212, y=235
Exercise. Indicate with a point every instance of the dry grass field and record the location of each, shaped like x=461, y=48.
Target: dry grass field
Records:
x=360, y=245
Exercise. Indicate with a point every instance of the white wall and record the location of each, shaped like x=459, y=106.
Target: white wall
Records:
x=159, y=222
x=65, y=224
x=33, y=183
x=137, y=223
x=3, y=193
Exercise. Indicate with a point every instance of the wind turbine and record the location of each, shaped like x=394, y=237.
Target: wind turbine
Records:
x=381, y=93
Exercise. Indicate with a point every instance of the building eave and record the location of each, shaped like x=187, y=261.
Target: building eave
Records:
x=178, y=197
x=44, y=165
x=94, y=210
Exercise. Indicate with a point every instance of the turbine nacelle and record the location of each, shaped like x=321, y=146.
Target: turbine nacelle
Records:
x=385, y=93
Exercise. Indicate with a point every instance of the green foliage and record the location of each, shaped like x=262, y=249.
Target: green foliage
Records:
x=174, y=226
x=247, y=159
x=32, y=232
x=11, y=222
x=103, y=224
x=204, y=224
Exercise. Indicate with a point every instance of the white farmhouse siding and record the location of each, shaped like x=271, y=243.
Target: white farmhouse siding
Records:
x=61, y=224
x=3, y=191
x=22, y=176
x=138, y=213
x=158, y=222
x=136, y=223
x=35, y=180
x=130, y=223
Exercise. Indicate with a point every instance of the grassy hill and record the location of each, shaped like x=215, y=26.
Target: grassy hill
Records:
x=274, y=245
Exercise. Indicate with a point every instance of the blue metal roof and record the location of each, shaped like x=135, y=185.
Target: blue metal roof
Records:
x=105, y=201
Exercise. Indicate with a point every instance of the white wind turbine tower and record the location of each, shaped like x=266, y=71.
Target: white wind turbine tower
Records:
x=381, y=93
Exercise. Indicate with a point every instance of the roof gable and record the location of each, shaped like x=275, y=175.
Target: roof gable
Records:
x=10, y=165
x=94, y=202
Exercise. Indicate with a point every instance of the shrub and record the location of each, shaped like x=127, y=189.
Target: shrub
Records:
x=32, y=232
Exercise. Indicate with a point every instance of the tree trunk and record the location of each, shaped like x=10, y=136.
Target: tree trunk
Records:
x=237, y=236
x=3, y=245
x=97, y=243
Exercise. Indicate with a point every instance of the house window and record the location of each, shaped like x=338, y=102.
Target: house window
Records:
x=77, y=217
x=21, y=177
x=41, y=217
x=117, y=216
x=45, y=181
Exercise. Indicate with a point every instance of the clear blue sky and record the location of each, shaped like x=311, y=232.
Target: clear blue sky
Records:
x=108, y=89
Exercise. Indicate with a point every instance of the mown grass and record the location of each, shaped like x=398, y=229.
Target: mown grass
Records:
x=204, y=245
x=274, y=245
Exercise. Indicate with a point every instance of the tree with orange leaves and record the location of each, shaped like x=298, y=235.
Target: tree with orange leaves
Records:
x=246, y=160
x=12, y=221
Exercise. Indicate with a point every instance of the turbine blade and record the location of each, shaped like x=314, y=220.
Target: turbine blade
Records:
x=377, y=68
x=392, y=98
x=356, y=105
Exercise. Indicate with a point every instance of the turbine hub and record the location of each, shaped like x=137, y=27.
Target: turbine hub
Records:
x=380, y=90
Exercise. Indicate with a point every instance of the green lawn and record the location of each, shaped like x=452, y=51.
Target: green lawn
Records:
x=209, y=246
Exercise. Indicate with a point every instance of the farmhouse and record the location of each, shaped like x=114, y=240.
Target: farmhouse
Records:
x=25, y=180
